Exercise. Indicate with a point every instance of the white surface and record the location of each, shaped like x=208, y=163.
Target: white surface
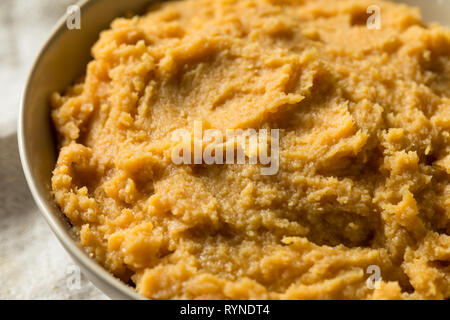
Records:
x=33, y=265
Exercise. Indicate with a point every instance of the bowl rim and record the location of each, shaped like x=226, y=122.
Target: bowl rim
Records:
x=68, y=242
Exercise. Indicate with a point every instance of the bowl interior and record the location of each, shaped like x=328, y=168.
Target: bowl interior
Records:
x=62, y=59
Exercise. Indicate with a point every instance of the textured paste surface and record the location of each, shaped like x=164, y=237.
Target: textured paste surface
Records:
x=363, y=181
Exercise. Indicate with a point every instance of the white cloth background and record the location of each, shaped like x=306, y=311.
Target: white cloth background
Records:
x=33, y=265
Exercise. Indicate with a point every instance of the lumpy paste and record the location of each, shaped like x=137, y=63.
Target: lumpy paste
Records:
x=360, y=205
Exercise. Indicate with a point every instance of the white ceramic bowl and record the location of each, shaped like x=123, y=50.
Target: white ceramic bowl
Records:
x=63, y=58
